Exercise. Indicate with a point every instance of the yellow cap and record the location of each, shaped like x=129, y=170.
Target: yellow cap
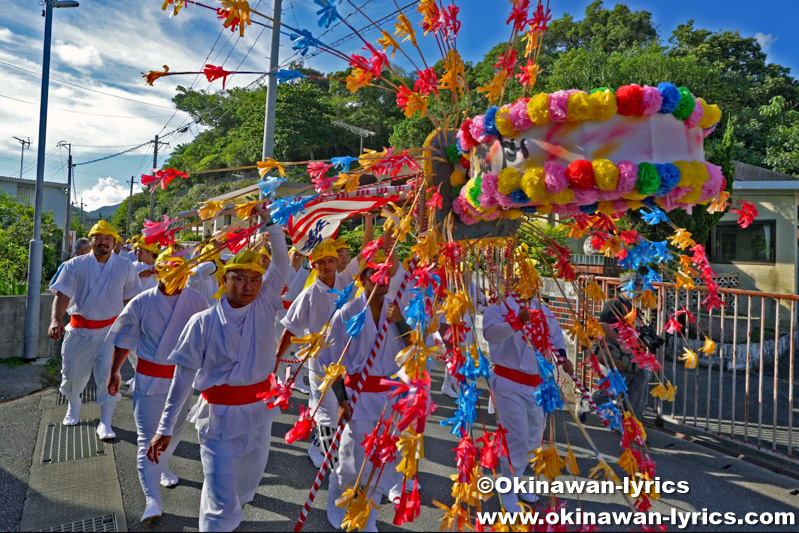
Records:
x=244, y=260
x=207, y=249
x=171, y=270
x=326, y=248
x=104, y=228
x=293, y=249
x=379, y=257
x=149, y=247
x=265, y=252
x=341, y=243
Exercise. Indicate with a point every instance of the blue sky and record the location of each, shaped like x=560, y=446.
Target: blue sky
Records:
x=101, y=48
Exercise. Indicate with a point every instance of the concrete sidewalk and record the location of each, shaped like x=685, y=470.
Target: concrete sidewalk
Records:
x=106, y=485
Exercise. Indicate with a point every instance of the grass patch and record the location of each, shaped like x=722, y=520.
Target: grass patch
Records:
x=12, y=362
x=53, y=368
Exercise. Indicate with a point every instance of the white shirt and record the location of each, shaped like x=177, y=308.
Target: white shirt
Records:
x=150, y=281
x=151, y=324
x=370, y=404
x=295, y=283
x=96, y=291
x=203, y=279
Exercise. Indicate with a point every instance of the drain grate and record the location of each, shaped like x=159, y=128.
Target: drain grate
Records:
x=101, y=523
x=89, y=394
x=68, y=443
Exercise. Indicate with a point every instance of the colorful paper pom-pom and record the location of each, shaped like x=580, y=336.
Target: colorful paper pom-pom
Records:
x=696, y=116
x=604, y=107
x=669, y=178
x=504, y=124
x=534, y=184
x=651, y=102
x=648, y=179
x=518, y=115
x=467, y=141
x=686, y=105
x=606, y=175
x=628, y=176
x=538, y=109
x=711, y=115
x=509, y=180
x=477, y=129
x=457, y=178
x=489, y=121
x=670, y=95
x=579, y=107
x=629, y=99
x=558, y=106
x=580, y=174
x=519, y=197
x=555, y=176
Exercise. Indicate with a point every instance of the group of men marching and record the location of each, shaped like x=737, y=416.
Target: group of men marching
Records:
x=235, y=349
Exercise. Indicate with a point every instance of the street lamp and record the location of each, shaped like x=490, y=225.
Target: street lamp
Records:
x=31, y=346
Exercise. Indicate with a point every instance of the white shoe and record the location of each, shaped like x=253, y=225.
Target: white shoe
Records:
x=105, y=432
x=316, y=456
x=449, y=391
x=491, y=409
x=73, y=412
x=395, y=494
x=152, y=510
x=168, y=478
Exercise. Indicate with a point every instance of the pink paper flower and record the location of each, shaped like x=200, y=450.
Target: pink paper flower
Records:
x=628, y=177
x=651, y=102
x=555, y=177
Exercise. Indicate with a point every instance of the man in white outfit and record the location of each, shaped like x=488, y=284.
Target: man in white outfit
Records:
x=308, y=314
x=516, y=376
x=93, y=289
x=228, y=353
x=296, y=276
x=145, y=264
x=373, y=397
x=203, y=278
x=151, y=324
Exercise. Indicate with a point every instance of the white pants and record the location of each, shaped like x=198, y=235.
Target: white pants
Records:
x=147, y=412
x=524, y=420
x=351, y=458
x=232, y=469
x=82, y=356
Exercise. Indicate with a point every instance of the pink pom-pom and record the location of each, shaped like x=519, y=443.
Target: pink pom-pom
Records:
x=695, y=117
x=607, y=195
x=571, y=209
x=488, y=191
x=493, y=215
x=519, y=117
x=628, y=177
x=464, y=136
x=620, y=206
x=585, y=196
x=555, y=177
x=465, y=217
x=558, y=105
x=477, y=129
x=715, y=182
x=651, y=102
x=670, y=203
x=505, y=202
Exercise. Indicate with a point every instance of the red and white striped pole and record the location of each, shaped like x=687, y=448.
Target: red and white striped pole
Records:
x=381, y=336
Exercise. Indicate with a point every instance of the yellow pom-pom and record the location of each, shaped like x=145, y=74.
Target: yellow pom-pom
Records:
x=693, y=196
x=534, y=184
x=606, y=174
x=543, y=209
x=563, y=197
x=634, y=204
x=604, y=105
x=457, y=178
x=504, y=125
x=509, y=180
x=686, y=173
x=513, y=214
x=606, y=208
x=711, y=114
x=700, y=173
x=538, y=109
x=580, y=107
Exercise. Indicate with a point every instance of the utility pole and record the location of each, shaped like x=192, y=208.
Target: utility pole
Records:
x=130, y=206
x=156, y=142
x=25, y=144
x=82, y=213
x=271, y=83
x=68, y=221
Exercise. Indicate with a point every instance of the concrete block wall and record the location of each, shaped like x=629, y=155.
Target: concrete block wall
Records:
x=12, y=326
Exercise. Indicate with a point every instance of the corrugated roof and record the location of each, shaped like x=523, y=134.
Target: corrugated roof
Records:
x=747, y=172
x=31, y=182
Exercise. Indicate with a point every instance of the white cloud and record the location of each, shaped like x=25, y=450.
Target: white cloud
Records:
x=77, y=56
x=107, y=191
x=6, y=35
x=766, y=40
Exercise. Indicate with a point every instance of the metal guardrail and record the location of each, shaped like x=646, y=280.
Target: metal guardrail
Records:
x=745, y=392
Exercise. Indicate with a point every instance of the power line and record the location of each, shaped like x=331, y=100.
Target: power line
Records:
x=112, y=155
x=82, y=87
x=80, y=112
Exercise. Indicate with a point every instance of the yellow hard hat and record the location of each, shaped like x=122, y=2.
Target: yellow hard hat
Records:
x=244, y=260
x=104, y=228
x=326, y=248
x=341, y=243
x=155, y=250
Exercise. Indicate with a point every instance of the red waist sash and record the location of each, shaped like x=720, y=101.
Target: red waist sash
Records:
x=154, y=370
x=231, y=395
x=77, y=321
x=286, y=304
x=372, y=383
x=532, y=380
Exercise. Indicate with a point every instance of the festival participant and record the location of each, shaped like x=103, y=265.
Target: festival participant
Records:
x=118, y=247
x=131, y=254
x=82, y=247
x=296, y=277
x=515, y=377
x=228, y=353
x=344, y=253
x=145, y=264
x=450, y=385
x=94, y=289
x=151, y=324
x=203, y=278
x=308, y=314
x=373, y=397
